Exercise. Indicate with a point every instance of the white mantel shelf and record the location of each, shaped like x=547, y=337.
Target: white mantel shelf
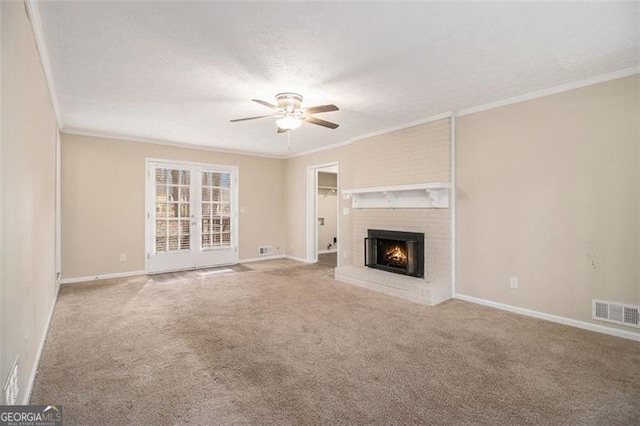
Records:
x=418, y=196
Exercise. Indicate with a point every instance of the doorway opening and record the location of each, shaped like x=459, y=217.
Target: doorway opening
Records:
x=192, y=219
x=322, y=214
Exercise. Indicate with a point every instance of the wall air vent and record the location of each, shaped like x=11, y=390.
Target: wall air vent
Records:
x=265, y=250
x=617, y=313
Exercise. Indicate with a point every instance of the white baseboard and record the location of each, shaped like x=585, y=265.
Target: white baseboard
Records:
x=102, y=277
x=134, y=273
x=553, y=318
x=261, y=258
x=327, y=251
x=297, y=259
x=36, y=362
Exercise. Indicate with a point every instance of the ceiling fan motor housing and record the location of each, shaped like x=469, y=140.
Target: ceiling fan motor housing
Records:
x=288, y=102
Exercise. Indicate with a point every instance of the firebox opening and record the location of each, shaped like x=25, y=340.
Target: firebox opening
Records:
x=395, y=251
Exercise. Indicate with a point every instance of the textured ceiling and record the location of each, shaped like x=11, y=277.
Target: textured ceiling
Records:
x=179, y=71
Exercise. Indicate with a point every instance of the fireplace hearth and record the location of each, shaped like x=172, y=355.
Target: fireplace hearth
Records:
x=395, y=251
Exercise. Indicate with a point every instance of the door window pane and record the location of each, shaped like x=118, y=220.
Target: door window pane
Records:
x=184, y=210
x=172, y=232
x=216, y=209
x=173, y=243
x=184, y=193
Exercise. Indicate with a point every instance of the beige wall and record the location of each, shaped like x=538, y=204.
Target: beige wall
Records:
x=29, y=132
x=103, y=202
x=549, y=191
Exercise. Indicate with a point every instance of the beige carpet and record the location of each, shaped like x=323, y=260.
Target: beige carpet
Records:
x=279, y=342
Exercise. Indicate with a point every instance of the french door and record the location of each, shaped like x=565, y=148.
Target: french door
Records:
x=192, y=219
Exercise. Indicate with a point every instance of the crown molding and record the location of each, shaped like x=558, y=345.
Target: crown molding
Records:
x=376, y=133
x=429, y=119
x=33, y=13
x=552, y=90
x=493, y=105
x=126, y=138
x=324, y=148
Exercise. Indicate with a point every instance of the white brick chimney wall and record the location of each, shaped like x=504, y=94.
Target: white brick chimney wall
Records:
x=415, y=155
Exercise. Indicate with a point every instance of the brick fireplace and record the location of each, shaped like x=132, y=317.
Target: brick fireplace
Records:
x=419, y=160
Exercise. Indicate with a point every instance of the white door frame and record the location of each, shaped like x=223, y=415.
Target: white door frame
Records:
x=150, y=204
x=312, y=211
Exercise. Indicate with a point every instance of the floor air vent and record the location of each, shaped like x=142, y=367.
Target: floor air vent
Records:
x=617, y=313
x=265, y=250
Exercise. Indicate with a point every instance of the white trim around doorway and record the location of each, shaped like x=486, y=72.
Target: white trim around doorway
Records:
x=312, y=210
x=150, y=206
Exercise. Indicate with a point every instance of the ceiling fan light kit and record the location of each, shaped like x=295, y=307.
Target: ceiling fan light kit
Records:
x=288, y=122
x=290, y=114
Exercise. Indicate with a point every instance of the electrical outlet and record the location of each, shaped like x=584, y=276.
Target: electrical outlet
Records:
x=513, y=282
x=123, y=257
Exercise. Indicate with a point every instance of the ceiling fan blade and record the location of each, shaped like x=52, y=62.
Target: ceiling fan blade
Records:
x=265, y=103
x=282, y=130
x=320, y=108
x=250, y=118
x=314, y=120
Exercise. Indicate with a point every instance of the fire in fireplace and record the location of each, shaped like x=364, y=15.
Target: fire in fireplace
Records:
x=395, y=251
x=396, y=256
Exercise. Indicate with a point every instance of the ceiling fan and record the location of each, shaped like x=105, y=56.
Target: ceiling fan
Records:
x=290, y=114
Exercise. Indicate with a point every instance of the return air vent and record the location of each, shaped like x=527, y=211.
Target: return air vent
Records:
x=265, y=250
x=617, y=313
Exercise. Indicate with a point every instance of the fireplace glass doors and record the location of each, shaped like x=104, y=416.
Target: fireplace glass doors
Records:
x=395, y=251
